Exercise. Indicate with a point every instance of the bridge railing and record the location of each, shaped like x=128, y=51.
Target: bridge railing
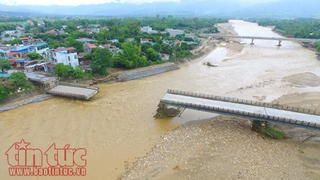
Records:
x=78, y=85
x=245, y=114
x=243, y=101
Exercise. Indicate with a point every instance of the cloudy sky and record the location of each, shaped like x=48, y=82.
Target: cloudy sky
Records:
x=79, y=2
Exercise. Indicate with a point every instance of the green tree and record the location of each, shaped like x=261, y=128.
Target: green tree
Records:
x=4, y=65
x=101, y=59
x=4, y=93
x=87, y=57
x=34, y=55
x=131, y=56
x=152, y=55
x=317, y=45
x=18, y=78
x=15, y=41
x=63, y=70
x=78, y=72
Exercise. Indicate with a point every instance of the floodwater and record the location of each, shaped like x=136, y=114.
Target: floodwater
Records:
x=117, y=126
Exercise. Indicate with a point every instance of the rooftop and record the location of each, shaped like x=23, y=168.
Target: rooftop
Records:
x=64, y=49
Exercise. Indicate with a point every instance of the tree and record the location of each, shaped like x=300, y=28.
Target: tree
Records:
x=78, y=72
x=87, y=57
x=18, y=78
x=131, y=56
x=34, y=55
x=15, y=41
x=152, y=55
x=317, y=45
x=3, y=93
x=101, y=59
x=63, y=70
x=4, y=65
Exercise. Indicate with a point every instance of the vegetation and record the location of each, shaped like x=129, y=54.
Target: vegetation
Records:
x=67, y=71
x=18, y=78
x=4, y=65
x=130, y=57
x=4, y=93
x=34, y=55
x=101, y=59
x=16, y=82
x=298, y=28
x=63, y=70
x=266, y=130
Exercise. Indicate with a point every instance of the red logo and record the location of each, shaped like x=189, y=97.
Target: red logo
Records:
x=55, y=161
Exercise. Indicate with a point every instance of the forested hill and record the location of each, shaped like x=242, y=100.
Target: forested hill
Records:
x=221, y=8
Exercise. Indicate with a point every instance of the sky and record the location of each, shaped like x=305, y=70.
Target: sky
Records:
x=81, y=2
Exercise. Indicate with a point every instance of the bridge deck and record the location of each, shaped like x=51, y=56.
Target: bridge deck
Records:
x=70, y=91
x=267, y=38
x=276, y=115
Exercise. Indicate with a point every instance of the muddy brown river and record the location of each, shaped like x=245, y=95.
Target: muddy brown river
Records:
x=117, y=126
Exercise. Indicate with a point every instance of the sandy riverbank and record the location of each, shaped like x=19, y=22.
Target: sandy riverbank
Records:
x=226, y=148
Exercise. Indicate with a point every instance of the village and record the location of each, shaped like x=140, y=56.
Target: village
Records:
x=26, y=53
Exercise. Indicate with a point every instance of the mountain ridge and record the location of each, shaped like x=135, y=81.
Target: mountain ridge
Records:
x=233, y=8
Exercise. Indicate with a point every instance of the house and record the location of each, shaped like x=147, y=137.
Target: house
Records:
x=9, y=33
x=164, y=57
x=114, y=41
x=3, y=54
x=86, y=40
x=130, y=39
x=16, y=59
x=67, y=56
x=148, y=29
x=145, y=40
x=85, y=64
x=174, y=32
x=52, y=32
x=88, y=47
x=39, y=48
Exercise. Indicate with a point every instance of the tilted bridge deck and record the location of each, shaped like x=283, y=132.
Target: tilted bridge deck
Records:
x=255, y=110
x=78, y=91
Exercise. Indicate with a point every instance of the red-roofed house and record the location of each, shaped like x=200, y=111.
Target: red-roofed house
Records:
x=88, y=47
x=52, y=32
x=145, y=40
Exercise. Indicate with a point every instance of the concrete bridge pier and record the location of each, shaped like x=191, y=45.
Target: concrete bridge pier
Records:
x=279, y=44
x=252, y=42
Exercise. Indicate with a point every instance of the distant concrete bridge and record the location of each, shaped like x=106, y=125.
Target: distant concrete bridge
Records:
x=300, y=117
x=279, y=39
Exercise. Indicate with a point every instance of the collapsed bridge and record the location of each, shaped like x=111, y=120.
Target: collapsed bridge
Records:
x=275, y=113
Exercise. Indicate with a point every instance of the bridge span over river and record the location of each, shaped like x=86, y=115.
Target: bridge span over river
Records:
x=255, y=110
x=279, y=39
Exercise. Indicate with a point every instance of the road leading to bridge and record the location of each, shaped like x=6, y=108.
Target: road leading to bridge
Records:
x=249, y=109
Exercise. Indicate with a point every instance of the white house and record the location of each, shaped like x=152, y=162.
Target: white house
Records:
x=148, y=29
x=174, y=32
x=67, y=56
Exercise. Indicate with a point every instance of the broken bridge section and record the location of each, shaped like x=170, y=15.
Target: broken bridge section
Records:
x=79, y=91
x=51, y=85
x=304, y=118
